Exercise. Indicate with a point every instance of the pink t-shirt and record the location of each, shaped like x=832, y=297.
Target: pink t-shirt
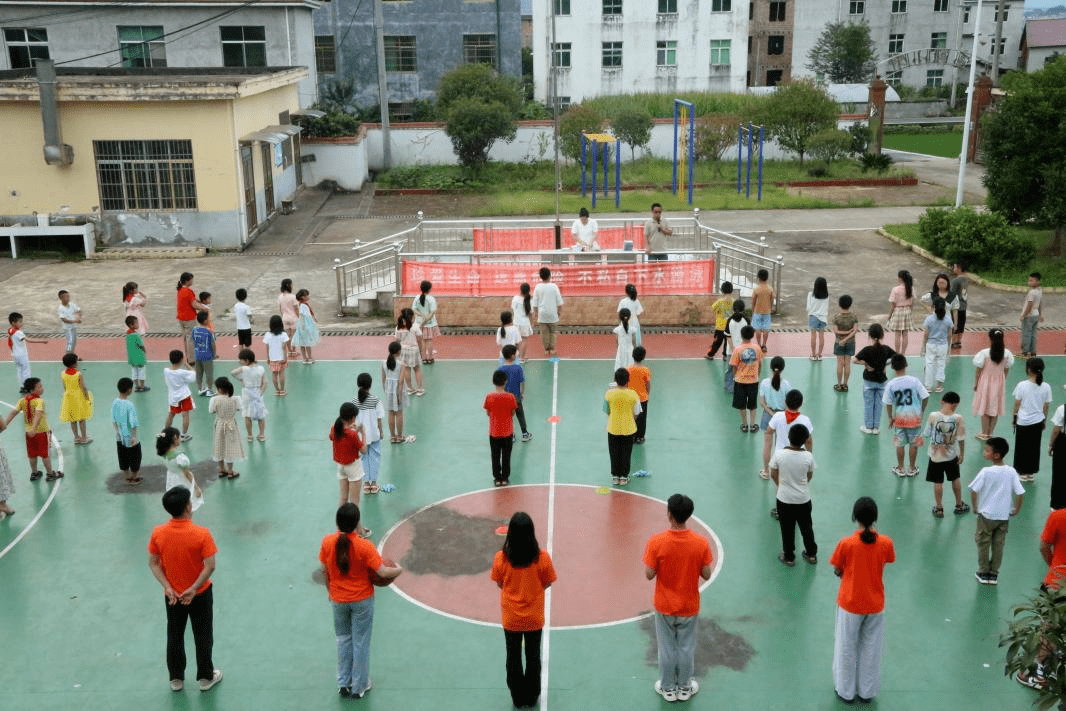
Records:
x=898, y=296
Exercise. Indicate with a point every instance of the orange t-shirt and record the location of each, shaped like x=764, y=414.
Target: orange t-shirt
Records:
x=762, y=299
x=182, y=547
x=1055, y=536
x=862, y=591
x=677, y=557
x=522, y=593
x=747, y=362
x=639, y=379
x=501, y=407
x=354, y=585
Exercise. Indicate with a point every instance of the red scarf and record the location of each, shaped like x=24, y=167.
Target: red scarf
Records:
x=29, y=398
x=790, y=416
x=11, y=332
x=71, y=371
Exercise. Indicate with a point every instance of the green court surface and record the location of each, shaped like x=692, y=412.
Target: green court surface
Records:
x=945, y=145
x=82, y=621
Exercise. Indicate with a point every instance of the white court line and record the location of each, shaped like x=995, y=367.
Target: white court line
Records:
x=823, y=229
x=549, y=541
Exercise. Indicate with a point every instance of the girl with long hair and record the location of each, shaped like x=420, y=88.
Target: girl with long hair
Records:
x=347, y=439
x=631, y=302
x=989, y=382
x=188, y=306
x=277, y=352
x=227, y=437
x=937, y=327
x=425, y=313
x=818, y=315
x=772, y=393
x=901, y=301
x=134, y=301
x=179, y=471
x=407, y=333
x=289, y=308
x=370, y=419
x=522, y=308
x=627, y=340
x=392, y=378
x=1032, y=399
x=507, y=334
x=306, y=336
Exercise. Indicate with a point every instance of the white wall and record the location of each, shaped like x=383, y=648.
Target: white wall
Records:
x=345, y=164
x=1037, y=55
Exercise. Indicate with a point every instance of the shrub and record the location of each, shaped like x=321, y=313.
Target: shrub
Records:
x=578, y=118
x=334, y=123
x=818, y=170
x=981, y=240
x=633, y=126
x=715, y=133
x=474, y=125
x=877, y=162
x=830, y=145
x=861, y=135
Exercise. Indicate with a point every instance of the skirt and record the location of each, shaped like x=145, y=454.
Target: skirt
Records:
x=1027, y=448
x=900, y=320
x=430, y=331
x=252, y=404
x=410, y=356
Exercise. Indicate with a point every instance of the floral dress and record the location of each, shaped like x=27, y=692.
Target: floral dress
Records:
x=227, y=442
x=306, y=334
x=135, y=307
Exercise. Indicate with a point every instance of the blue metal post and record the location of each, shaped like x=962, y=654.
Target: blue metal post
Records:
x=584, y=162
x=607, y=167
x=747, y=188
x=740, y=153
x=691, y=149
x=617, y=174
x=760, y=161
x=594, y=156
x=673, y=188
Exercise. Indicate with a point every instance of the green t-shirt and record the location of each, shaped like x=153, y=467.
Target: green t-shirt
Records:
x=135, y=350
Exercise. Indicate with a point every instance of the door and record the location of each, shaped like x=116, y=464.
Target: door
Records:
x=247, y=170
x=268, y=176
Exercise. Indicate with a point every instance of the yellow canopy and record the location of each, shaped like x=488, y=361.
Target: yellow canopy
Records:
x=599, y=137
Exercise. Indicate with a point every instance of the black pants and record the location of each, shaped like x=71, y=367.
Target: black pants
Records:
x=960, y=326
x=620, y=447
x=719, y=342
x=129, y=458
x=521, y=415
x=642, y=420
x=200, y=612
x=524, y=686
x=788, y=515
x=500, y=448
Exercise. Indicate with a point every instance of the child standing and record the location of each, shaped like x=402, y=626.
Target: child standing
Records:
x=289, y=308
x=134, y=302
x=1032, y=399
x=70, y=316
x=735, y=325
x=347, y=446
x=369, y=420
x=937, y=327
x=746, y=362
x=508, y=334
x=762, y=301
x=1031, y=315
x=623, y=407
x=204, y=353
x=989, y=382
x=905, y=400
x=425, y=309
x=178, y=379
x=818, y=315
x=124, y=419
x=721, y=308
x=204, y=298
x=516, y=385
x=253, y=384
x=407, y=333
x=227, y=447
x=500, y=406
x=136, y=355
x=772, y=392
x=627, y=341
x=522, y=308
x=177, y=462
x=946, y=433
x=901, y=301
x=991, y=493
x=277, y=352
x=392, y=377
x=845, y=326
x=242, y=314
x=20, y=354
x=777, y=430
x=631, y=302
x=77, y=406
x=640, y=383
x=306, y=336
x=792, y=468
x=873, y=359
x=38, y=433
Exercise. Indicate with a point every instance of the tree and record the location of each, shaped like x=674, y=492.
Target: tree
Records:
x=633, y=126
x=796, y=112
x=844, y=53
x=830, y=144
x=577, y=119
x=479, y=107
x=715, y=134
x=1024, y=142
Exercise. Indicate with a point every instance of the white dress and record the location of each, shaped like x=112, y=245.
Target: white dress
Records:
x=626, y=342
x=521, y=318
x=177, y=463
x=252, y=378
x=635, y=310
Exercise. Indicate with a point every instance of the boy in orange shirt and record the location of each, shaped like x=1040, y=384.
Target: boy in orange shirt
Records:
x=746, y=363
x=500, y=406
x=640, y=383
x=677, y=559
x=762, y=301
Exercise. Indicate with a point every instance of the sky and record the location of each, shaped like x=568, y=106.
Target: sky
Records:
x=1042, y=4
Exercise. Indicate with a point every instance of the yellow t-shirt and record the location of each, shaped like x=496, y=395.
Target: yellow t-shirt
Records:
x=722, y=308
x=29, y=408
x=622, y=420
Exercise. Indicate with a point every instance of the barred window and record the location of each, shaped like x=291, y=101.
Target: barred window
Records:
x=934, y=77
x=938, y=40
x=612, y=7
x=145, y=175
x=479, y=49
x=561, y=54
x=856, y=7
x=895, y=44
x=899, y=7
x=720, y=52
x=668, y=7
x=400, y=53
x=325, y=54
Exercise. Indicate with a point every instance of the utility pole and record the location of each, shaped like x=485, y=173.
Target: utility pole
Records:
x=553, y=71
x=997, y=45
x=960, y=190
x=383, y=89
x=958, y=48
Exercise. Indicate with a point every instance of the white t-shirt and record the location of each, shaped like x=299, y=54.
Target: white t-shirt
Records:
x=792, y=467
x=546, y=300
x=994, y=486
x=734, y=328
x=1033, y=398
x=275, y=343
x=369, y=413
x=584, y=234
x=819, y=308
x=511, y=336
x=1059, y=418
x=242, y=312
x=635, y=310
x=1034, y=295
x=178, y=382
x=943, y=433
x=18, y=345
x=518, y=308
x=68, y=312
x=780, y=427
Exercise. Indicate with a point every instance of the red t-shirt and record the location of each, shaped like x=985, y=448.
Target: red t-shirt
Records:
x=346, y=449
x=501, y=407
x=185, y=310
x=677, y=557
x=522, y=594
x=862, y=591
x=182, y=547
x=354, y=585
x=1055, y=536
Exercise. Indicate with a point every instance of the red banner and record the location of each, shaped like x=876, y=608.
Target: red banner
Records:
x=665, y=277
x=536, y=239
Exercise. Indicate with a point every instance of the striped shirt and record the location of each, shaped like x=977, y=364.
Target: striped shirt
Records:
x=369, y=412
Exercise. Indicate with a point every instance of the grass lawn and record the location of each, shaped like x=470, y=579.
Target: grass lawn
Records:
x=946, y=145
x=1051, y=268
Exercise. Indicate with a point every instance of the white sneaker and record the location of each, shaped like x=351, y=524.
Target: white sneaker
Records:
x=866, y=430
x=667, y=694
x=685, y=693
x=177, y=684
x=875, y=430
x=208, y=684
x=186, y=437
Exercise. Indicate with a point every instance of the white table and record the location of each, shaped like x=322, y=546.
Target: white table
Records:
x=86, y=231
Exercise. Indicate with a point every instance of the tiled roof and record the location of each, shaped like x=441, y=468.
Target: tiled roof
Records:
x=1046, y=33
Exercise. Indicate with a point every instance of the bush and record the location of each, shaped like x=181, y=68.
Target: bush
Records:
x=715, y=134
x=877, y=162
x=818, y=170
x=633, y=126
x=474, y=125
x=980, y=240
x=577, y=119
x=830, y=145
x=334, y=123
x=861, y=135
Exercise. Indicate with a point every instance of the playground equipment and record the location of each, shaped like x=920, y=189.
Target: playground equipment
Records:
x=595, y=141
x=684, y=144
x=749, y=131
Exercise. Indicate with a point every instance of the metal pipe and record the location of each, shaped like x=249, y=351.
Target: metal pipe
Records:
x=966, y=127
x=383, y=88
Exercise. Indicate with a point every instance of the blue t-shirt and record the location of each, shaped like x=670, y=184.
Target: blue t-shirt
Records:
x=939, y=329
x=124, y=415
x=515, y=378
x=203, y=342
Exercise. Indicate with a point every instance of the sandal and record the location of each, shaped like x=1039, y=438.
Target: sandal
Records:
x=134, y=480
x=938, y=512
x=262, y=438
x=753, y=428
x=234, y=475
x=743, y=428
x=366, y=488
x=962, y=509
x=844, y=388
x=374, y=488
x=250, y=438
x=838, y=387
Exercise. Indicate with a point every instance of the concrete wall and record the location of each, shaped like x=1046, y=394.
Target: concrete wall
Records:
x=1039, y=55
x=342, y=160
x=289, y=34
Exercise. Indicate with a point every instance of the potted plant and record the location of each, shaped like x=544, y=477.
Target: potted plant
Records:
x=1036, y=646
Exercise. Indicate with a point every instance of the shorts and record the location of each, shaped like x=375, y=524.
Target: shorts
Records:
x=138, y=372
x=129, y=458
x=244, y=337
x=37, y=444
x=760, y=322
x=351, y=472
x=815, y=324
x=939, y=471
x=844, y=349
x=278, y=366
x=908, y=435
x=745, y=396
x=183, y=406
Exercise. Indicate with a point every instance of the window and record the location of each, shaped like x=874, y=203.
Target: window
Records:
x=773, y=77
x=479, y=49
x=325, y=54
x=562, y=102
x=612, y=54
x=720, y=52
x=244, y=47
x=965, y=15
x=856, y=7
x=668, y=7
x=145, y=175
x=749, y=44
x=777, y=11
x=751, y=11
x=666, y=53
x=938, y=40
x=400, y=53
x=894, y=78
x=934, y=77
x=1002, y=45
x=401, y=111
x=24, y=45
x=561, y=54
x=940, y=5
x=996, y=15
x=899, y=7
x=612, y=7
x=562, y=7
x=142, y=46
x=721, y=5
x=775, y=44
x=895, y=44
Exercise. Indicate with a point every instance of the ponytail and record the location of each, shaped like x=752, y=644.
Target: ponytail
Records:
x=185, y=276
x=908, y=283
x=165, y=440
x=506, y=319
x=343, y=552
x=390, y=362
x=996, y=349
x=424, y=287
x=865, y=514
x=526, y=298
x=777, y=364
x=364, y=381
x=347, y=522
x=1036, y=367
x=347, y=413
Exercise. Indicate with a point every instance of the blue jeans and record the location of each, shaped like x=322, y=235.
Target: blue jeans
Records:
x=677, y=649
x=871, y=403
x=1029, y=334
x=352, y=623
x=372, y=461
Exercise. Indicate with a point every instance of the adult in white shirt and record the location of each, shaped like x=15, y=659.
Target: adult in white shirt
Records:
x=1032, y=400
x=584, y=231
x=547, y=309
